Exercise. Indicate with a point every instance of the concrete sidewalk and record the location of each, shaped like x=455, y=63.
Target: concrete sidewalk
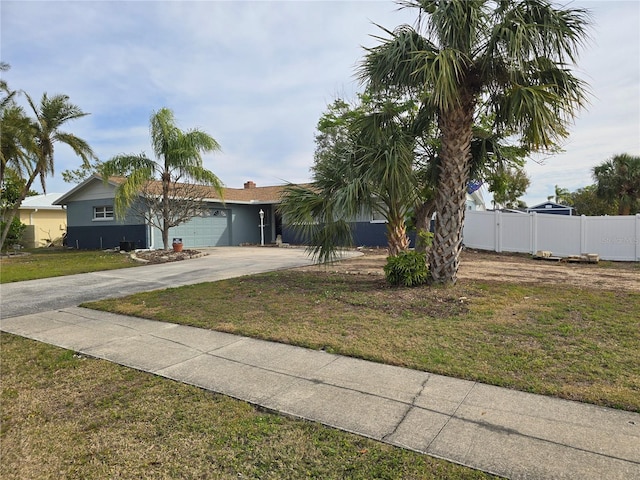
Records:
x=505, y=432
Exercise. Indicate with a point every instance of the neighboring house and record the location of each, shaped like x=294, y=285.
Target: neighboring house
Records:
x=551, y=208
x=91, y=222
x=475, y=201
x=46, y=222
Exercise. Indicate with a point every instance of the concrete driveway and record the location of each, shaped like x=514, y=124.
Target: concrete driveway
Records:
x=34, y=296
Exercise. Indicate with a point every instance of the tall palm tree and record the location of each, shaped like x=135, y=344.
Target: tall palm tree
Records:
x=618, y=180
x=179, y=157
x=508, y=59
x=36, y=146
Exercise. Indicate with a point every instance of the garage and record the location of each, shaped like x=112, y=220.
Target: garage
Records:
x=211, y=229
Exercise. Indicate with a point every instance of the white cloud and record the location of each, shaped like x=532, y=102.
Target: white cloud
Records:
x=257, y=76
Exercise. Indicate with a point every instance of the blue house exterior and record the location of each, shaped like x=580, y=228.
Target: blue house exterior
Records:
x=551, y=208
x=364, y=233
x=92, y=224
x=91, y=221
x=369, y=231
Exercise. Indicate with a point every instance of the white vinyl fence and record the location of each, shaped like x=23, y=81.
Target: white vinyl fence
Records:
x=612, y=238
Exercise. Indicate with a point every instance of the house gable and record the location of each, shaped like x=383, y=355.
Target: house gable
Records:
x=93, y=188
x=551, y=208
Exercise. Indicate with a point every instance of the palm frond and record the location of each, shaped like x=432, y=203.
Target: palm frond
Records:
x=312, y=215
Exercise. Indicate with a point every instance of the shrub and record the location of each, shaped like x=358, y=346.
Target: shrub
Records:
x=15, y=232
x=407, y=269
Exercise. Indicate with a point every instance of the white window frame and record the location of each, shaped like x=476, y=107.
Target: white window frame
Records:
x=103, y=213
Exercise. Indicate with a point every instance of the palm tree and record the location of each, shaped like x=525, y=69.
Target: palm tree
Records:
x=179, y=157
x=507, y=59
x=4, y=88
x=618, y=180
x=17, y=141
x=35, y=141
x=364, y=165
x=561, y=196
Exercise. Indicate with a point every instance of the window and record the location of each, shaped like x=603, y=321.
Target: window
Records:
x=103, y=213
x=377, y=217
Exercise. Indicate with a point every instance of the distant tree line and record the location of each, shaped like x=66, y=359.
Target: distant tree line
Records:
x=616, y=190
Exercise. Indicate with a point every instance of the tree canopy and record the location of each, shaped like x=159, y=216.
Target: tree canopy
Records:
x=618, y=180
x=508, y=60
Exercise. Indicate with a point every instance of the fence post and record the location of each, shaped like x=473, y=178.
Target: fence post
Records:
x=498, y=231
x=637, y=237
x=533, y=233
x=583, y=235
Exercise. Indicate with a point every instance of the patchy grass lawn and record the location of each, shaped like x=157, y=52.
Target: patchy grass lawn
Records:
x=572, y=342
x=47, y=262
x=69, y=416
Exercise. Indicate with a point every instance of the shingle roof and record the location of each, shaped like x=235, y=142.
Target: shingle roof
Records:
x=270, y=194
x=254, y=194
x=250, y=194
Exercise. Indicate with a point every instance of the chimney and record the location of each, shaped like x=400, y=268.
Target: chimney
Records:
x=249, y=184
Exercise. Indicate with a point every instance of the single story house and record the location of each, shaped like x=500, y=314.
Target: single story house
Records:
x=551, y=208
x=46, y=223
x=91, y=222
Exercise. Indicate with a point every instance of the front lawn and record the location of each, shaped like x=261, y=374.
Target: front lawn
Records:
x=572, y=342
x=68, y=416
x=49, y=262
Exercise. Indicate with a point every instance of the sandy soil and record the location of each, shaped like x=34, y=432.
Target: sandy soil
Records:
x=478, y=265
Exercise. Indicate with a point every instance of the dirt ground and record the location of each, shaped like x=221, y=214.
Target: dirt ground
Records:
x=479, y=265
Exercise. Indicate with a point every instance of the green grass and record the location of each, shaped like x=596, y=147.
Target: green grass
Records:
x=575, y=343
x=69, y=416
x=74, y=417
x=46, y=262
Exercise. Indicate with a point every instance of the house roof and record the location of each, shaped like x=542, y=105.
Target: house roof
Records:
x=249, y=194
x=549, y=204
x=270, y=194
x=41, y=202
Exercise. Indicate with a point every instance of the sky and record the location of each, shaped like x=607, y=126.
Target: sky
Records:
x=258, y=75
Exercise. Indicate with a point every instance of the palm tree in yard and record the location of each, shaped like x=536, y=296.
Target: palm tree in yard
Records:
x=618, y=180
x=364, y=165
x=30, y=147
x=178, y=169
x=507, y=59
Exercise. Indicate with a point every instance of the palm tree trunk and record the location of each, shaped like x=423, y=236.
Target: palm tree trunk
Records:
x=166, y=179
x=423, y=223
x=456, y=127
x=624, y=208
x=14, y=210
x=397, y=239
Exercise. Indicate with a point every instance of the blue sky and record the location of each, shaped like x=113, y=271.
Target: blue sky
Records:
x=258, y=75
